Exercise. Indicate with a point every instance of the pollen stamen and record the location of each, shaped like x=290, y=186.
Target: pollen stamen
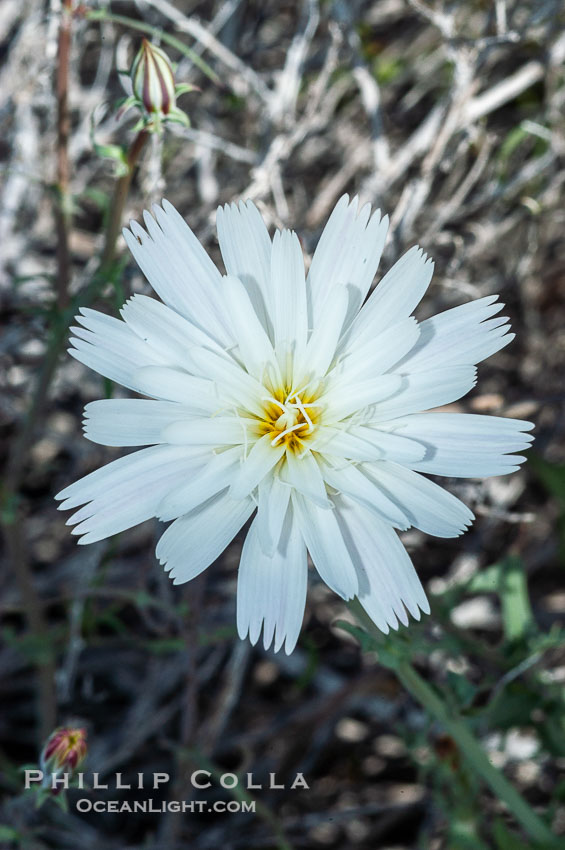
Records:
x=287, y=431
x=274, y=401
x=244, y=428
x=289, y=419
x=302, y=409
x=297, y=392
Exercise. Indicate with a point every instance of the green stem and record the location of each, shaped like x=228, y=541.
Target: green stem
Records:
x=469, y=746
x=474, y=753
x=121, y=192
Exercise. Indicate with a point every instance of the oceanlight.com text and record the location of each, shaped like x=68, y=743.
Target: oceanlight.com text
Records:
x=161, y=806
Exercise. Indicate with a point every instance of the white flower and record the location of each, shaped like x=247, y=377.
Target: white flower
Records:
x=288, y=398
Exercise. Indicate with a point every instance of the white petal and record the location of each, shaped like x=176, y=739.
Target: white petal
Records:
x=327, y=549
x=167, y=332
x=395, y=297
x=427, y=505
x=464, y=335
x=358, y=396
x=465, y=445
x=246, y=250
x=109, y=347
x=322, y=344
x=195, y=540
x=423, y=391
x=360, y=442
x=196, y=394
x=127, y=491
x=254, y=345
x=303, y=473
x=361, y=361
x=130, y=421
x=351, y=481
x=178, y=268
x=206, y=482
x=272, y=503
x=290, y=316
x=258, y=463
x=136, y=463
x=387, y=578
x=347, y=253
x=271, y=591
x=207, y=431
x=233, y=383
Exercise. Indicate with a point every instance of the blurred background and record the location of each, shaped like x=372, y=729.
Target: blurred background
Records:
x=451, y=119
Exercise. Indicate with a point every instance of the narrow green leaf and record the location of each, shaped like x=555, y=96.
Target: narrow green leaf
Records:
x=517, y=617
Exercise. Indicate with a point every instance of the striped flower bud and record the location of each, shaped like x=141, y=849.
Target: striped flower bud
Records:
x=153, y=80
x=64, y=750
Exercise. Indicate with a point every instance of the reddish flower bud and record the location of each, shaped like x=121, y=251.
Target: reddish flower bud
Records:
x=64, y=750
x=153, y=80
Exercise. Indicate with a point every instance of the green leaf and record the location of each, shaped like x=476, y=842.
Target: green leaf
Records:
x=512, y=141
x=109, y=387
x=508, y=580
x=391, y=649
x=96, y=196
x=506, y=840
x=185, y=88
x=9, y=834
x=386, y=69
x=61, y=800
x=126, y=103
x=517, y=614
x=116, y=153
x=511, y=707
x=177, y=116
x=463, y=835
x=144, y=600
x=39, y=650
x=552, y=476
x=486, y=581
x=366, y=641
x=462, y=688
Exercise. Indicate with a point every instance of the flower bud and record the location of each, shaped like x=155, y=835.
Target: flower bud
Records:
x=153, y=80
x=64, y=750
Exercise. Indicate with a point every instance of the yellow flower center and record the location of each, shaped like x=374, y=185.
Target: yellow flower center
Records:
x=291, y=417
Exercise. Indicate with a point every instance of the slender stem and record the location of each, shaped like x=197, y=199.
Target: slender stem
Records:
x=63, y=200
x=12, y=516
x=13, y=523
x=474, y=754
x=121, y=191
x=470, y=747
x=12, y=519
x=47, y=709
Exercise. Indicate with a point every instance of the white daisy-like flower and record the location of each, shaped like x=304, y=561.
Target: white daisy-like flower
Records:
x=293, y=398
